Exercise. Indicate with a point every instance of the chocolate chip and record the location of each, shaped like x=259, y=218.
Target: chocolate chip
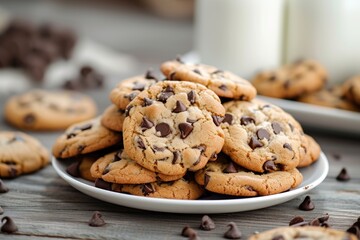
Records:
x=223, y=87
x=29, y=118
x=73, y=169
x=354, y=230
x=138, y=86
x=255, y=143
x=146, y=124
x=117, y=156
x=150, y=75
x=180, y=107
x=217, y=120
x=147, y=102
x=80, y=148
x=3, y=188
x=9, y=226
x=230, y=168
x=140, y=143
x=245, y=120
x=164, y=95
x=99, y=183
x=176, y=155
x=269, y=166
x=96, y=220
x=324, y=218
x=314, y=222
x=178, y=59
x=272, y=78
x=217, y=71
x=278, y=237
x=191, y=96
x=213, y=157
x=106, y=170
x=197, y=71
x=131, y=96
x=163, y=129
x=228, y=118
x=287, y=146
x=172, y=75
x=85, y=127
x=262, y=133
x=233, y=232
x=1, y=210
x=158, y=149
x=307, y=204
x=343, y=176
x=147, y=189
x=70, y=135
x=296, y=220
x=188, y=231
x=127, y=110
x=194, y=237
x=206, y=179
x=207, y=223
x=276, y=127
x=185, y=129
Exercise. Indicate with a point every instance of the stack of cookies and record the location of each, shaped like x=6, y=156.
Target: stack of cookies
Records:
x=199, y=130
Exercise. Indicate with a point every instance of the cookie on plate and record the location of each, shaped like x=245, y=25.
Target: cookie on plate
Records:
x=117, y=167
x=85, y=166
x=47, y=110
x=20, y=154
x=291, y=81
x=128, y=89
x=310, y=151
x=308, y=232
x=174, y=127
x=226, y=177
x=113, y=118
x=260, y=136
x=85, y=137
x=351, y=89
x=223, y=83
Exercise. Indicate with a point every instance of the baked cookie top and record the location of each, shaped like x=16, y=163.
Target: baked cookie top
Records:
x=173, y=127
x=113, y=118
x=291, y=81
x=351, y=89
x=20, y=154
x=128, y=89
x=223, y=83
x=48, y=110
x=226, y=177
x=260, y=136
x=307, y=232
x=85, y=137
x=117, y=167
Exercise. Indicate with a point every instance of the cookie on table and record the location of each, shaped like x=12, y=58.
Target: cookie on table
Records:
x=223, y=83
x=351, y=89
x=332, y=98
x=20, y=154
x=307, y=232
x=85, y=137
x=48, y=110
x=291, y=81
x=128, y=89
x=310, y=151
x=260, y=136
x=117, y=167
x=226, y=177
x=174, y=127
x=183, y=189
x=113, y=118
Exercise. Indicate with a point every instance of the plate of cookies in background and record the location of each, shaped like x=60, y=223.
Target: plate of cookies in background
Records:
x=195, y=141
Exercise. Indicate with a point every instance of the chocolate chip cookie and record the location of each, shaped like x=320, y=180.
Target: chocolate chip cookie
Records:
x=351, y=90
x=128, y=89
x=309, y=151
x=260, y=136
x=173, y=127
x=113, y=118
x=20, y=154
x=117, y=167
x=308, y=232
x=226, y=177
x=46, y=110
x=85, y=137
x=223, y=83
x=291, y=81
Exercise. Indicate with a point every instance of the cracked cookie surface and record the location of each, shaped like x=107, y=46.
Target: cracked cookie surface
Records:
x=174, y=127
x=113, y=118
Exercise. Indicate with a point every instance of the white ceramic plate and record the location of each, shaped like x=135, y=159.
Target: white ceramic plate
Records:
x=320, y=117
x=313, y=176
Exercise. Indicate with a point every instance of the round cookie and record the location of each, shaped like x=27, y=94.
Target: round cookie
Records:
x=310, y=151
x=117, y=167
x=291, y=81
x=223, y=83
x=47, y=110
x=174, y=127
x=20, y=154
x=226, y=177
x=113, y=118
x=85, y=137
x=332, y=98
x=308, y=232
x=128, y=89
x=180, y=189
x=351, y=89
x=260, y=136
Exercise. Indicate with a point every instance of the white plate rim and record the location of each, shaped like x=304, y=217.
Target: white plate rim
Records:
x=191, y=206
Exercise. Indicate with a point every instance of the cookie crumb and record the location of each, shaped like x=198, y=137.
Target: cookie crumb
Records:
x=3, y=188
x=9, y=225
x=343, y=176
x=307, y=204
x=233, y=232
x=207, y=223
x=96, y=220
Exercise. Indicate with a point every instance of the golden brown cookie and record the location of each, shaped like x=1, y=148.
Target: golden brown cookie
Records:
x=310, y=151
x=113, y=118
